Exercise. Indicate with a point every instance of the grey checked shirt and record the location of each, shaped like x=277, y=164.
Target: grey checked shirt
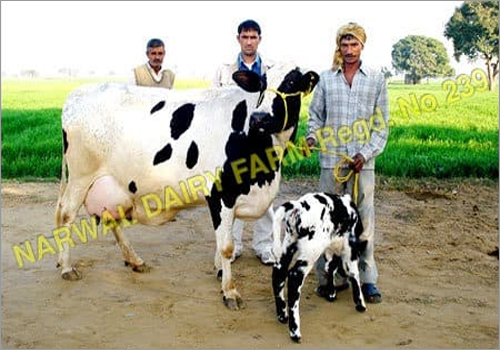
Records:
x=347, y=119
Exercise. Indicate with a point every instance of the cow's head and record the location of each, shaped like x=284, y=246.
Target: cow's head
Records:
x=279, y=106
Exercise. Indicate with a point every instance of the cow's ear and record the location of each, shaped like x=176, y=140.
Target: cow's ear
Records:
x=309, y=81
x=247, y=80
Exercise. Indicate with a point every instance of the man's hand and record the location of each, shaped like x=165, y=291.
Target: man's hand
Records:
x=357, y=163
x=311, y=142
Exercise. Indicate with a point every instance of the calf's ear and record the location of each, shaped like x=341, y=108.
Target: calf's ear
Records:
x=247, y=80
x=308, y=82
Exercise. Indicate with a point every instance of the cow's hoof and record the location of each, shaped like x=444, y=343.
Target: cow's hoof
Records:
x=283, y=318
x=72, y=275
x=233, y=303
x=296, y=338
x=219, y=275
x=360, y=308
x=143, y=268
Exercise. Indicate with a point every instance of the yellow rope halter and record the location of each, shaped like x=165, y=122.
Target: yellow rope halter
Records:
x=337, y=170
x=283, y=97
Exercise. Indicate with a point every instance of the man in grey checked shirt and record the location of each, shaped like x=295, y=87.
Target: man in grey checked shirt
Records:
x=349, y=115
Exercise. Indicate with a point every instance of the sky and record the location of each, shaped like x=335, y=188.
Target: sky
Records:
x=105, y=36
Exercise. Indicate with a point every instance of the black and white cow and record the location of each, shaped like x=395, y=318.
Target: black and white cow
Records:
x=315, y=224
x=144, y=154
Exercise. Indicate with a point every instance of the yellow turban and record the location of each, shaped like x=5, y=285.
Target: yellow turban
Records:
x=349, y=29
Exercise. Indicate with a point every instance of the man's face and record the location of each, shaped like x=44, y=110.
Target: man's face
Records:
x=249, y=41
x=351, y=50
x=155, y=56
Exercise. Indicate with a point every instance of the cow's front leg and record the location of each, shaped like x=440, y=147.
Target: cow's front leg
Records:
x=225, y=247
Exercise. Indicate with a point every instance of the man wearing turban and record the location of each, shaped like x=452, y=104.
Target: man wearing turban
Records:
x=349, y=116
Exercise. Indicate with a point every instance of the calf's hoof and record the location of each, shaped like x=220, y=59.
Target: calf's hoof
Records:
x=143, y=268
x=296, y=338
x=72, y=275
x=323, y=292
x=219, y=275
x=283, y=318
x=360, y=308
x=331, y=297
x=233, y=303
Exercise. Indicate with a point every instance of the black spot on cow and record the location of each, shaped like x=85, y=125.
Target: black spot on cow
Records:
x=239, y=116
x=163, y=155
x=305, y=205
x=65, y=141
x=192, y=155
x=288, y=206
x=321, y=199
x=132, y=187
x=215, y=206
x=157, y=107
x=181, y=120
x=339, y=215
x=305, y=232
x=323, y=212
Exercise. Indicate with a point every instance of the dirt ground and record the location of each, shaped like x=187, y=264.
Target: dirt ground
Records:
x=435, y=249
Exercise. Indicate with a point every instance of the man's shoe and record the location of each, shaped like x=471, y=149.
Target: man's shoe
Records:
x=371, y=293
x=341, y=283
x=236, y=254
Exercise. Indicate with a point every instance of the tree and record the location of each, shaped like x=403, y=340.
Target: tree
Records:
x=387, y=73
x=473, y=28
x=29, y=73
x=421, y=57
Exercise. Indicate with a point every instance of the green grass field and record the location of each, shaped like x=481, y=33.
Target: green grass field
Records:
x=434, y=132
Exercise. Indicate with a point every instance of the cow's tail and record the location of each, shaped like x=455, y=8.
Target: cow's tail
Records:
x=64, y=182
x=279, y=216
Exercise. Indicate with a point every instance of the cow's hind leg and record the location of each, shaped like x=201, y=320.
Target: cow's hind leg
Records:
x=67, y=208
x=129, y=255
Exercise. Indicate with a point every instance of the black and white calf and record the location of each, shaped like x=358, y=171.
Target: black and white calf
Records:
x=315, y=224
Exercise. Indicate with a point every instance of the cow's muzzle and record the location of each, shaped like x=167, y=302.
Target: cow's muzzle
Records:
x=259, y=121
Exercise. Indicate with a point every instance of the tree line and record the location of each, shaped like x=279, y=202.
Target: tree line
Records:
x=473, y=29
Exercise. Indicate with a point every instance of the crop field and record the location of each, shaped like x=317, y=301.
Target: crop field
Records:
x=436, y=223
x=441, y=130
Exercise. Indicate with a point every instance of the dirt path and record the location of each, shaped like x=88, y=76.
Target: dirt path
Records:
x=439, y=283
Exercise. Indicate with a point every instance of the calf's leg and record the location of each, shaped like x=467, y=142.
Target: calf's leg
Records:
x=296, y=277
x=353, y=273
x=280, y=272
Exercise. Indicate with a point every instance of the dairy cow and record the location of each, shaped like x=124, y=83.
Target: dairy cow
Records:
x=143, y=154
